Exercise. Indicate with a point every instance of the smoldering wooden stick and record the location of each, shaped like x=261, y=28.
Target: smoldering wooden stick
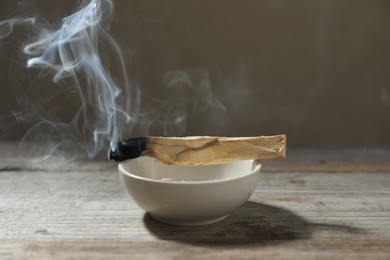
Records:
x=200, y=150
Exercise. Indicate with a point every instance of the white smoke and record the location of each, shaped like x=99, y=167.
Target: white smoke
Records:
x=71, y=54
x=85, y=63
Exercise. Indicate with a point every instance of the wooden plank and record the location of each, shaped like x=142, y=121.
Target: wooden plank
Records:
x=294, y=215
x=282, y=249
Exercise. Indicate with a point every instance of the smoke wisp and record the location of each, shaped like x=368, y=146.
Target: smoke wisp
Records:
x=71, y=55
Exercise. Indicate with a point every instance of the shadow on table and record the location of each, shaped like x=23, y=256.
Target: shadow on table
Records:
x=253, y=222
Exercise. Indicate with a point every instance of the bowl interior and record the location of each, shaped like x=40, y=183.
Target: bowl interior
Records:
x=150, y=169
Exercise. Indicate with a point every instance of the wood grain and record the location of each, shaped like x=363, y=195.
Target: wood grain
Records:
x=204, y=150
x=83, y=214
x=107, y=249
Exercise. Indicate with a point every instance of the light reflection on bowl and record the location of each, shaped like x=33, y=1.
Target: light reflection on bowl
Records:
x=189, y=195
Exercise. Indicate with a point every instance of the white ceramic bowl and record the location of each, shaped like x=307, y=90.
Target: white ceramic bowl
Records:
x=189, y=195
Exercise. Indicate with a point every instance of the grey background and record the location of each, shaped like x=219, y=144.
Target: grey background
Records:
x=317, y=70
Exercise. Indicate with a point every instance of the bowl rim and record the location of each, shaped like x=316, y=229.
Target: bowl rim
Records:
x=122, y=170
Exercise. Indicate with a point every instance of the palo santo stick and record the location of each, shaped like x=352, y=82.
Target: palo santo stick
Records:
x=201, y=150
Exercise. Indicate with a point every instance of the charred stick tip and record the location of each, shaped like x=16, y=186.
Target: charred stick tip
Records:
x=128, y=149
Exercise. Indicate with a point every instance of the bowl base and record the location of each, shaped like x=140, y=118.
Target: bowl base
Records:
x=192, y=222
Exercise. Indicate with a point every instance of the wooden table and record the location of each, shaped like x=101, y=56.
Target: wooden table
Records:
x=323, y=202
